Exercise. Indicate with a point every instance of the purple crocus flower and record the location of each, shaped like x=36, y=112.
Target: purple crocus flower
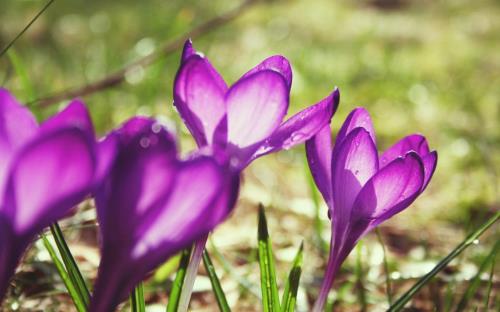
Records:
x=152, y=205
x=44, y=171
x=244, y=120
x=361, y=188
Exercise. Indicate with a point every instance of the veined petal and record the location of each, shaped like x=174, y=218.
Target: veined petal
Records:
x=358, y=118
x=391, y=190
x=256, y=106
x=75, y=115
x=414, y=142
x=17, y=125
x=50, y=175
x=199, y=97
x=302, y=126
x=276, y=63
x=353, y=164
x=319, y=158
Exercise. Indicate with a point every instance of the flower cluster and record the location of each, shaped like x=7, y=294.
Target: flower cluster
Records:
x=151, y=203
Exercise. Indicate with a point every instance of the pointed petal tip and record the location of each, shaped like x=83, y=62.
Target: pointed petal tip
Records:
x=188, y=50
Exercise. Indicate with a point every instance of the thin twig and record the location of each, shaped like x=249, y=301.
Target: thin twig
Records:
x=118, y=77
x=4, y=50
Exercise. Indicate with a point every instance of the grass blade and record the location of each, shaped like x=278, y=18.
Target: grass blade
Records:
x=137, y=303
x=229, y=269
x=214, y=280
x=474, y=283
x=490, y=284
x=69, y=262
x=292, y=283
x=75, y=296
x=403, y=300
x=21, y=71
x=386, y=268
x=175, y=293
x=359, y=277
x=270, y=296
x=7, y=47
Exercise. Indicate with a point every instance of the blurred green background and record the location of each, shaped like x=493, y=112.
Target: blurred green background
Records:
x=431, y=67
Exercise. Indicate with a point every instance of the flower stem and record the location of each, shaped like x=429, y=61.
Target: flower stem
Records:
x=331, y=271
x=187, y=287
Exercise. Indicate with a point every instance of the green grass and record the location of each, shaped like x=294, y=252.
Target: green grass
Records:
x=429, y=67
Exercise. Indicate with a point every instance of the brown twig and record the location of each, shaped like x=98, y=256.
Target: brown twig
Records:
x=118, y=77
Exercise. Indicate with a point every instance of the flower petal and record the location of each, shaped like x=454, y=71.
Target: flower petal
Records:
x=75, y=115
x=187, y=50
x=358, y=118
x=391, y=190
x=50, y=175
x=353, y=164
x=197, y=196
x=430, y=162
x=256, y=106
x=141, y=172
x=301, y=126
x=17, y=125
x=319, y=158
x=414, y=142
x=199, y=97
x=276, y=63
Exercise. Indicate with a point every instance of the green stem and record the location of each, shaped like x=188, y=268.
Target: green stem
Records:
x=403, y=300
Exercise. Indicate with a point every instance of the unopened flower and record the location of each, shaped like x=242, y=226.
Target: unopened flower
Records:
x=245, y=119
x=151, y=205
x=44, y=171
x=361, y=188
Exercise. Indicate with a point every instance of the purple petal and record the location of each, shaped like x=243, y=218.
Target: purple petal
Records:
x=199, y=97
x=161, y=219
x=275, y=63
x=107, y=149
x=358, y=118
x=144, y=164
x=414, y=142
x=391, y=190
x=430, y=162
x=302, y=126
x=319, y=158
x=353, y=164
x=51, y=175
x=17, y=126
x=75, y=115
x=256, y=106
x=188, y=50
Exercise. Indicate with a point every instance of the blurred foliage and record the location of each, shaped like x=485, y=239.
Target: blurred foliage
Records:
x=418, y=66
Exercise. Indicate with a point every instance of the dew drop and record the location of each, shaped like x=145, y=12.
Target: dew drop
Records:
x=145, y=142
x=475, y=242
x=156, y=128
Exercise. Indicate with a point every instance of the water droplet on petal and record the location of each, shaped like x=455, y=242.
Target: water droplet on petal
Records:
x=145, y=142
x=156, y=128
